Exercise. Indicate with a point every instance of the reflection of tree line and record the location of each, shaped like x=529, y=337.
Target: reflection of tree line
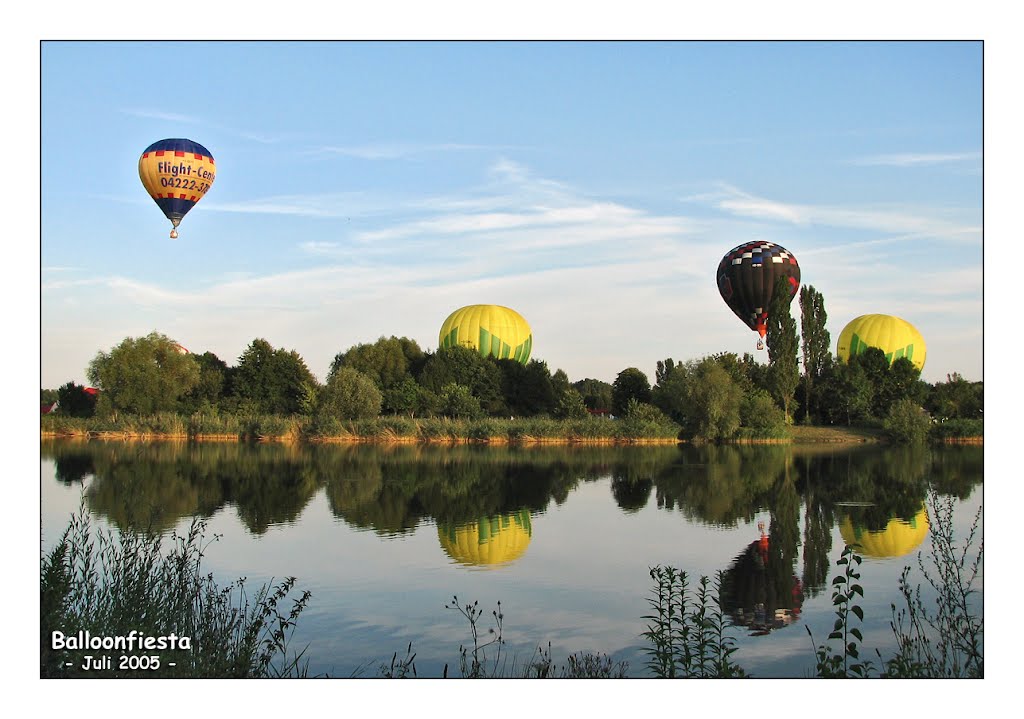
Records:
x=391, y=489
x=140, y=486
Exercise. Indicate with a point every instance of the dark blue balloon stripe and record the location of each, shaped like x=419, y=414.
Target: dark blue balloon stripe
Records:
x=179, y=144
x=174, y=207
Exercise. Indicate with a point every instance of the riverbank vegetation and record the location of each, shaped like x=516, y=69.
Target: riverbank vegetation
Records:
x=100, y=587
x=392, y=389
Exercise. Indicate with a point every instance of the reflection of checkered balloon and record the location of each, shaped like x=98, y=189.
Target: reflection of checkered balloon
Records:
x=747, y=276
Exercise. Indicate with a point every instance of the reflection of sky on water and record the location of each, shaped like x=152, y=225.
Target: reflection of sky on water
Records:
x=582, y=584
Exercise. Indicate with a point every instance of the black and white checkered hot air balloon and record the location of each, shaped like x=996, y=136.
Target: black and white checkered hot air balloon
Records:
x=747, y=276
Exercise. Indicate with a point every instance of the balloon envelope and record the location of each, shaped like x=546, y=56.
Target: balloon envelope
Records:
x=746, y=279
x=491, y=330
x=894, y=336
x=899, y=537
x=177, y=174
x=489, y=542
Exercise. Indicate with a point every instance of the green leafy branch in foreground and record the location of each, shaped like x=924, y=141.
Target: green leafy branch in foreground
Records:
x=687, y=634
x=832, y=664
x=948, y=642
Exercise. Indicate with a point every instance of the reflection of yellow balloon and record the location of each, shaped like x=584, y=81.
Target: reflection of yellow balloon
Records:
x=490, y=330
x=894, y=336
x=898, y=538
x=489, y=542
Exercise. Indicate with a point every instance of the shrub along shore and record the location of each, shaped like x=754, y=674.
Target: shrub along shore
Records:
x=443, y=430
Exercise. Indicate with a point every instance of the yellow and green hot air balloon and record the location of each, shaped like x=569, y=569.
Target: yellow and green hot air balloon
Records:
x=898, y=538
x=491, y=330
x=488, y=542
x=894, y=336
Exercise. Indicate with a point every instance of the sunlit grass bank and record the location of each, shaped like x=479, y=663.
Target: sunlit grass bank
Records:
x=488, y=430
x=385, y=429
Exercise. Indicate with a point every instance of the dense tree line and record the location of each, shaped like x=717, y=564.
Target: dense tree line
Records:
x=716, y=397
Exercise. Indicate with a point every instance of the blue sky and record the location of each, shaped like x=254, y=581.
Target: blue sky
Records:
x=368, y=189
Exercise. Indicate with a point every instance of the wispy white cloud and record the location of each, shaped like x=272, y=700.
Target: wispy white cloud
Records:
x=907, y=221
x=912, y=159
x=159, y=115
x=398, y=150
x=311, y=205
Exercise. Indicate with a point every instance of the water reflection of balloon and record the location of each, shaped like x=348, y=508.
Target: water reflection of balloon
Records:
x=758, y=592
x=488, y=542
x=746, y=280
x=899, y=536
x=177, y=174
x=894, y=336
x=491, y=330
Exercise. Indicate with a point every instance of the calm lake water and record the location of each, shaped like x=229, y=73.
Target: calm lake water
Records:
x=563, y=537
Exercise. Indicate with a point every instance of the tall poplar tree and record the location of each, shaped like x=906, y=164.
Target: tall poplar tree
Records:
x=783, y=343
x=816, y=342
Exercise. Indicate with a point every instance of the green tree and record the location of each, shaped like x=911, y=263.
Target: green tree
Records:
x=403, y=397
x=846, y=393
x=741, y=370
x=271, y=381
x=758, y=373
x=597, y=395
x=901, y=381
x=815, y=342
x=570, y=405
x=142, y=375
x=758, y=411
x=671, y=393
x=527, y=389
x=73, y=401
x=569, y=402
x=349, y=394
x=907, y=422
x=209, y=390
x=560, y=383
x=458, y=401
x=388, y=361
x=466, y=367
x=876, y=370
x=663, y=369
x=782, y=340
x=956, y=398
x=714, y=400
x=630, y=383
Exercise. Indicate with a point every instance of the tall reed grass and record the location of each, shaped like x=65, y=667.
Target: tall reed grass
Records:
x=122, y=584
x=378, y=429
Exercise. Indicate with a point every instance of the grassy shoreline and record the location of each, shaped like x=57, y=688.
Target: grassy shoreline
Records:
x=590, y=431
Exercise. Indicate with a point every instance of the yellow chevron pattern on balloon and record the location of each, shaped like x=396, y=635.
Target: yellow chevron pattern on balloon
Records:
x=894, y=336
x=491, y=330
